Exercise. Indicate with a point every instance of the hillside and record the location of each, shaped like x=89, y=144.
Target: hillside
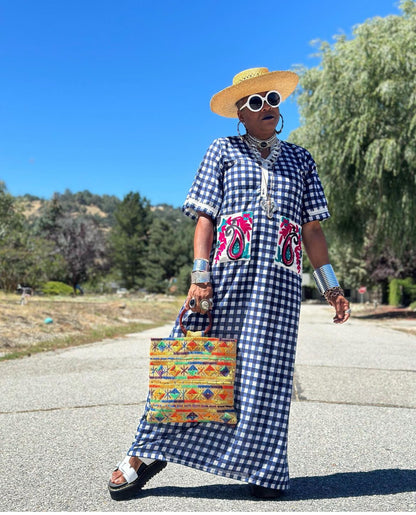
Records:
x=101, y=241
x=84, y=203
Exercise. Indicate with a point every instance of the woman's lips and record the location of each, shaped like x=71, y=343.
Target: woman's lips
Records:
x=268, y=117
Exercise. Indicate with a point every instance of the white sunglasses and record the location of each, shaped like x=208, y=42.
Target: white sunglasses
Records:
x=256, y=102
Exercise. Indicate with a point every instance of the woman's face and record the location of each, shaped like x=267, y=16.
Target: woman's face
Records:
x=260, y=124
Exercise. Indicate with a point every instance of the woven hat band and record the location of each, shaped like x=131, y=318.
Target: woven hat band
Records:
x=249, y=74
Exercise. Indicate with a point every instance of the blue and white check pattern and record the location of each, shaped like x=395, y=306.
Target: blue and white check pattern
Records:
x=257, y=303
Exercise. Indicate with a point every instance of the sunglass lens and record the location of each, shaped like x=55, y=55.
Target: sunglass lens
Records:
x=273, y=98
x=255, y=102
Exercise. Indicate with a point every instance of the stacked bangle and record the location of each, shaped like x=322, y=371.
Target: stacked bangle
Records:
x=325, y=278
x=200, y=265
x=200, y=271
x=327, y=282
x=200, y=277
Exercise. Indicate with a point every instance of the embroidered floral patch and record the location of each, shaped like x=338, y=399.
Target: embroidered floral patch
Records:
x=234, y=237
x=289, y=245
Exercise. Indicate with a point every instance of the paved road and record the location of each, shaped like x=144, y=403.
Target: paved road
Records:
x=67, y=417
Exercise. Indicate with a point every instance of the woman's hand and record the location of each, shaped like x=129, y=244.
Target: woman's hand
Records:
x=203, y=239
x=342, y=309
x=199, y=292
x=317, y=250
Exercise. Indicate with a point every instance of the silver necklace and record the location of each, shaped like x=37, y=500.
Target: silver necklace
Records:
x=266, y=164
x=261, y=143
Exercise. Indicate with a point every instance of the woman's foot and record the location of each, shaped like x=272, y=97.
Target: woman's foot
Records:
x=117, y=476
x=130, y=477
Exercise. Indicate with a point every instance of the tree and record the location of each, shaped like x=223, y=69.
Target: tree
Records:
x=128, y=238
x=160, y=262
x=47, y=223
x=170, y=248
x=358, y=119
x=10, y=217
x=81, y=243
x=79, y=246
x=24, y=258
x=28, y=261
x=12, y=247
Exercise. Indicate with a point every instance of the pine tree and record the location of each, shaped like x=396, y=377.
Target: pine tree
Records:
x=129, y=238
x=160, y=261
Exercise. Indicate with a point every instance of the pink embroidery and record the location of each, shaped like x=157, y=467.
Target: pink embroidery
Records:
x=289, y=250
x=234, y=235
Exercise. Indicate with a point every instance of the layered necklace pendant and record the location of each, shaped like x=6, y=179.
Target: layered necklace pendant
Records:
x=268, y=206
x=261, y=144
x=266, y=201
x=267, y=164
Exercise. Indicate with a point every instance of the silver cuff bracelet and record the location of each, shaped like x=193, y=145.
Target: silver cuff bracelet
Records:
x=200, y=265
x=200, y=277
x=325, y=278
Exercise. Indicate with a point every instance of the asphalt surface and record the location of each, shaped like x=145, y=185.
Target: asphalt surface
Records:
x=67, y=417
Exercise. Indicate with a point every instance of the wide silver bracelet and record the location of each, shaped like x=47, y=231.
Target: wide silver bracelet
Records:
x=200, y=277
x=325, y=278
x=201, y=265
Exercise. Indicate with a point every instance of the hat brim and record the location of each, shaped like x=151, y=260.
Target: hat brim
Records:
x=223, y=102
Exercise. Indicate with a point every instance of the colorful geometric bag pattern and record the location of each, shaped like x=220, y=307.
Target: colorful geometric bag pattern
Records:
x=191, y=379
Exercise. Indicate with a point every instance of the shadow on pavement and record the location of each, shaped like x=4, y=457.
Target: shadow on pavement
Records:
x=346, y=484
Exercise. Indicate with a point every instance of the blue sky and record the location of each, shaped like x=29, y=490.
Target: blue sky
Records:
x=113, y=96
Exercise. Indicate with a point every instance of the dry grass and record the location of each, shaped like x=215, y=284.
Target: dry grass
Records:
x=76, y=321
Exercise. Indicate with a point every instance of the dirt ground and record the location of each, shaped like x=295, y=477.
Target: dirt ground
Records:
x=46, y=322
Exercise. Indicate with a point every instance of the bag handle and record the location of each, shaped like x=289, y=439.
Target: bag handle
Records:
x=195, y=333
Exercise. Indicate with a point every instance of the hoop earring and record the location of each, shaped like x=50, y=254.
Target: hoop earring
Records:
x=238, y=128
x=281, y=128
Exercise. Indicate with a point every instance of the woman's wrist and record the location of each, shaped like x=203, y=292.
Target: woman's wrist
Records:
x=200, y=277
x=200, y=271
x=201, y=286
x=201, y=265
x=327, y=283
x=332, y=293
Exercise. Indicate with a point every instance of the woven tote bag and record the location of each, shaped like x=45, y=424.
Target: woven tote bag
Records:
x=191, y=379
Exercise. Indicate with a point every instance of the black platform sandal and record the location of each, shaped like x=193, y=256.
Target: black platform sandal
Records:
x=135, y=481
x=262, y=492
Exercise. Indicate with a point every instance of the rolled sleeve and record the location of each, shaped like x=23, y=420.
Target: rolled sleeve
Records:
x=314, y=205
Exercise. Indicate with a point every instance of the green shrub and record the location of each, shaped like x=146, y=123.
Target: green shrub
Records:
x=409, y=291
x=402, y=292
x=57, y=288
x=395, y=293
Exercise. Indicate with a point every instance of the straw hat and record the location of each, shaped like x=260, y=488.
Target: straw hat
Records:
x=248, y=82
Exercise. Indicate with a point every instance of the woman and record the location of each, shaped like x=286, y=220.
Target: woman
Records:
x=254, y=197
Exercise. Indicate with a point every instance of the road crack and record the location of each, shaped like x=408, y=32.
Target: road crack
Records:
x=68, y=408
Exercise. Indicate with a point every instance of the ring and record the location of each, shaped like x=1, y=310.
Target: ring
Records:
x=348, y=311
x=205, y=304
x=192, y=303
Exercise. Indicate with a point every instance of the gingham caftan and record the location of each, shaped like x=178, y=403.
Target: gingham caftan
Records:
x=256, y=278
